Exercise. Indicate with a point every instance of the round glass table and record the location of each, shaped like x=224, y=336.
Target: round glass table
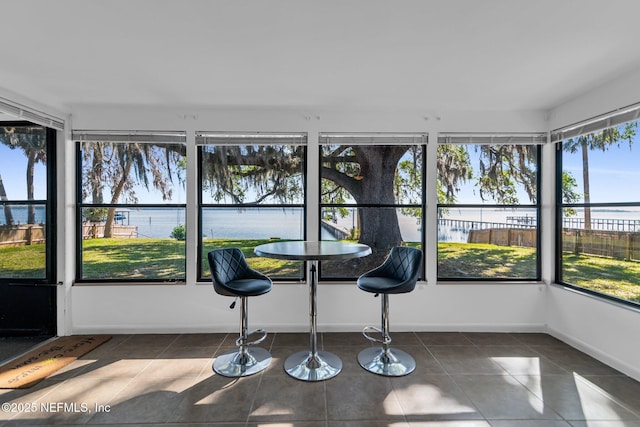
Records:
x=313, y=365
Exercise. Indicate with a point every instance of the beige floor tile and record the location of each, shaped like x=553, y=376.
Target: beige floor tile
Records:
x=433, y=397
x=145, y=400
x=369, y=397
x=217, y=398
x=74, y=402
x=443, y=338
x=501, y=397
x=281, y=398
x=575, y=399
x=461, y=380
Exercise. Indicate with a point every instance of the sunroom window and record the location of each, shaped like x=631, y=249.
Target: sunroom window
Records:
x=488, y=206
x=131, y=206
x=599, y=206
x=27, y=201
x=252, y=191
x=372, y=192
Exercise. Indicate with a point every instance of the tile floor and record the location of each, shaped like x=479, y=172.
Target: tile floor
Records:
x=461, y=380
x=10, y=347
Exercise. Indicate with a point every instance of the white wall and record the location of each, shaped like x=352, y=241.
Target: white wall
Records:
x=342, y=307
x=607, y=331
x=604, y=330
x=619, y=93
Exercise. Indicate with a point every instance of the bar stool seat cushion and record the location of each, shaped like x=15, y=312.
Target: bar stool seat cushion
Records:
x=246, y=287
x=397, y=274
x=233, y=277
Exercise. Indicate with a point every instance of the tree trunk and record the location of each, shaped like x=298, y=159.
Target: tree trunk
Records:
x=379, y=226
x=8, y=215
x=96, y=174
x=108, y=226
x=31, y=209
x=585, y=181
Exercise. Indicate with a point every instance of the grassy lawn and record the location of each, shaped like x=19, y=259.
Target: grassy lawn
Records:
x=165, y=259
x=23, y=262
x=144, y=258
x=606, y=275
x=485, y=261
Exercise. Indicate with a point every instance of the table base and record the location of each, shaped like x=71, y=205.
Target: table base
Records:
x=305, y=367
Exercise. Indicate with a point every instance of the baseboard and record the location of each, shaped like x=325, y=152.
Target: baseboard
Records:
x=179, y=329
x=632, y=371
x=286, y=327
x=471, y=327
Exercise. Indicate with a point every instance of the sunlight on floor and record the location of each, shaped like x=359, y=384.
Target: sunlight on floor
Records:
x=271, y=409
x=428, y=399
x=592, y=398
x=520, y=365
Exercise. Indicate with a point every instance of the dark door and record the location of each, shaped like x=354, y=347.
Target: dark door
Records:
x=27, y=230
x=27, y=310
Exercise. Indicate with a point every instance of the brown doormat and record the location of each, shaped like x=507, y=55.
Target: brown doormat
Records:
x=46, y=359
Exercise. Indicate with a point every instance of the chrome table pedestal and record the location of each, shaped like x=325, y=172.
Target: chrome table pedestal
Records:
x=313, y=365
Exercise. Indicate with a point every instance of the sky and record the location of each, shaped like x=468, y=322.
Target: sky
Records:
x=13, y=170
x=614, y=175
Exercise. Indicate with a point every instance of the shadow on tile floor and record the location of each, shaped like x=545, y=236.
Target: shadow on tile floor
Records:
x=461, y=379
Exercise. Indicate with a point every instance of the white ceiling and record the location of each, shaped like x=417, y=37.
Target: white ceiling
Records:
x=444, y=54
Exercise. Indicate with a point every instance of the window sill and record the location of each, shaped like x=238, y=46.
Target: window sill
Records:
x=167, y=283
x=489, y=282
x=602, y=298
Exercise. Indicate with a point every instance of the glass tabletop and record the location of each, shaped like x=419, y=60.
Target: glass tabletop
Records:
x=312, y=250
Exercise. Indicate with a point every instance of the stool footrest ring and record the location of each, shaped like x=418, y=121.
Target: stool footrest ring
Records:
x=257, y=341
x=369, y=329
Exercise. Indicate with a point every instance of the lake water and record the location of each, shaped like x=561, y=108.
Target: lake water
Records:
x=230, y=223
x=264, y=223
x=20, y=212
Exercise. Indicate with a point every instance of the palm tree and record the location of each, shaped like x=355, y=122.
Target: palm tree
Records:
x=32, y=141
x=8, y=215
x=600, y=140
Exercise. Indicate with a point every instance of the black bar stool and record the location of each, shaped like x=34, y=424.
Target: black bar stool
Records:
x=397, y=274
x=233, y=277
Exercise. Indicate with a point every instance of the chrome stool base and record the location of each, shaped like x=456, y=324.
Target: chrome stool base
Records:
x=306, y=367
x=393, y=363
x=234, y=364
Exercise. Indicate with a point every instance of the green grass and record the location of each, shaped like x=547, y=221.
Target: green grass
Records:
x=617, y=278
x=164, y=259
x=23, y=262
x=485, y=261
x=609, y=276
x=144, y=258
